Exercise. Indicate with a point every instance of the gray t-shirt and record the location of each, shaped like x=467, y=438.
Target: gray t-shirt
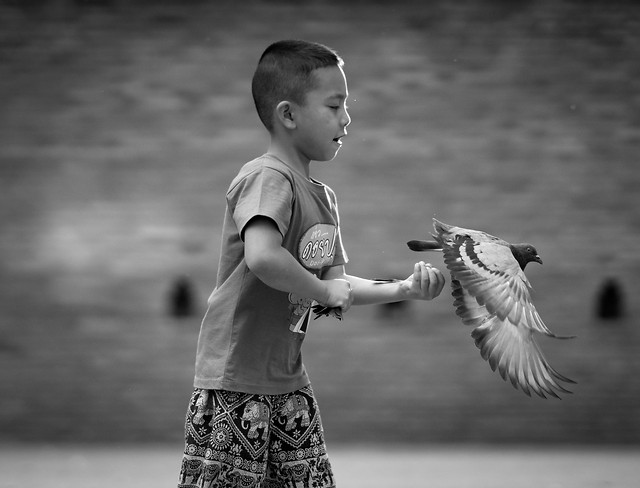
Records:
x=247, y=342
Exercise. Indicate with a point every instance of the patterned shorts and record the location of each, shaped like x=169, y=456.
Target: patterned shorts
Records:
x=237, y=439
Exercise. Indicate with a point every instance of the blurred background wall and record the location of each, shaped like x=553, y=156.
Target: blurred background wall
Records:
x=122, y=123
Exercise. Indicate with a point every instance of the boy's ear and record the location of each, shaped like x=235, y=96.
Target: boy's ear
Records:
x=284, y=114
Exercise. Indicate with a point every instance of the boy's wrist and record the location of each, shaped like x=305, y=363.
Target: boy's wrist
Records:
x=323, y=296
x=403, y=290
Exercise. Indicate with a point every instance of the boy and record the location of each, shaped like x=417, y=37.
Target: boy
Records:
x=253, y=420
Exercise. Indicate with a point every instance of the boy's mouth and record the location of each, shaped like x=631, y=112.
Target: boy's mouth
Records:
x=338, y=140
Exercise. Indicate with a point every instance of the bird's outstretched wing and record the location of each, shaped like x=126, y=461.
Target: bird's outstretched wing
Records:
x=492, y=294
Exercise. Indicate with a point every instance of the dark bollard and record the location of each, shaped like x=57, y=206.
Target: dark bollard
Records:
x=181, y=298
x=610, y=304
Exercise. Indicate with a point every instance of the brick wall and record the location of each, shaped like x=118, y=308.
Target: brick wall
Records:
x=121, y=129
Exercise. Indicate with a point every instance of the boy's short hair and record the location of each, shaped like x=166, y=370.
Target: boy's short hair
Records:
x=284, y=72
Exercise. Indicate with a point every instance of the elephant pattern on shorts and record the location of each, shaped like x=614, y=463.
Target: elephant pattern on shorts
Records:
x=295, y=407
x=202, y=409
x=257, y=414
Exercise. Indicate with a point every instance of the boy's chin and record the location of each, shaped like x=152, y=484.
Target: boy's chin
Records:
x=325, y=160
x=326, y=155
x=330, y=156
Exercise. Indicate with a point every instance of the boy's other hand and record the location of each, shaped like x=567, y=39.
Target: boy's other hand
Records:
x=339, y=294
x=425, y=283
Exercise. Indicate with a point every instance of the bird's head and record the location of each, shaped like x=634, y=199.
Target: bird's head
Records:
x=525, y=253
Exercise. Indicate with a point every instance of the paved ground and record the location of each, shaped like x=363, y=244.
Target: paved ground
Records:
x=440, y=467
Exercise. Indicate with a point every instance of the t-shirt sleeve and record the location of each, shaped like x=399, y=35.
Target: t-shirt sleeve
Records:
x=264, y=192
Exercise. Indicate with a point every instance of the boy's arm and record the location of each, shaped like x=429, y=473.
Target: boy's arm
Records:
x=425, y=283
x=277, y=268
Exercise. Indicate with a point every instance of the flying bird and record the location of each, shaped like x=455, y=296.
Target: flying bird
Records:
x=492, y=295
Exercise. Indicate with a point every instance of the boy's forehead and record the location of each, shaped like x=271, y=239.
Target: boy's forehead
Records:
x=330, y=82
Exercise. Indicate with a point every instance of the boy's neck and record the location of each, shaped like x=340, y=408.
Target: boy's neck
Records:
x=291, y=158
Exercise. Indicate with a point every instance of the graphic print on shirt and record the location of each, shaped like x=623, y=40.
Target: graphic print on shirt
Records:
x=317, y=246
x=299, y=308
x=315, y=251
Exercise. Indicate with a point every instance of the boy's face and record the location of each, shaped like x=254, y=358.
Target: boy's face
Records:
x=323, y=119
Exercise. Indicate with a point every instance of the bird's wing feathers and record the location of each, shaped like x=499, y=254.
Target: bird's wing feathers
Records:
x=493, y=277
x=467, y=307
x=516, y=355
x=509, y=349
x=492, y=294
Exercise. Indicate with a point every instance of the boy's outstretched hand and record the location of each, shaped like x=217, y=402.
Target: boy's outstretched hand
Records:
x=426, y=282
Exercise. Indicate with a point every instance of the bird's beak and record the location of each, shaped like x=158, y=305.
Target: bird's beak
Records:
x=537, y=259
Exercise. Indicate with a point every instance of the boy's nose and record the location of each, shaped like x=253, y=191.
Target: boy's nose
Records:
x=346, y=119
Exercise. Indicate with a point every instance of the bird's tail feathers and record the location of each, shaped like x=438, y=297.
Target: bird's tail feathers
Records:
x=420, y=246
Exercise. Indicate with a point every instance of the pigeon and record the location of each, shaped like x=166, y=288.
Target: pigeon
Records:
x=492, y=294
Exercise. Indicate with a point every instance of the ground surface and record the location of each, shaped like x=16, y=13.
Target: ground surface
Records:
x=354, y=467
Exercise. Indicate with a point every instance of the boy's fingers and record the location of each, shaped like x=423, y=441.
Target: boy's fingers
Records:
x=435, y=282
x=431, y=280
x=349, y=298
x=427, y=281
x=417, y=273
x=438, y=281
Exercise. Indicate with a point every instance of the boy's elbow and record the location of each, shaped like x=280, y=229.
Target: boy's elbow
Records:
x=254, y=261
x=259, y=264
